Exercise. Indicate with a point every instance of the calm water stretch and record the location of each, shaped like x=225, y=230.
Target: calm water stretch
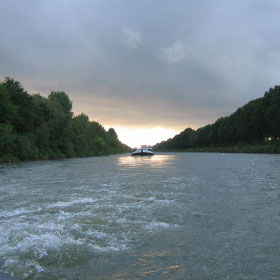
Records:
x=171, y=216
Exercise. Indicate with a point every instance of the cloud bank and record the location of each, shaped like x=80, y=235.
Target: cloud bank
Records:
x=144, y=63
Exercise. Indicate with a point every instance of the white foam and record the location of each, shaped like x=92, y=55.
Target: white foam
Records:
x=36, y=266
x=18, y=212
x=32, y=267
x=63, y=204
x=97, y=234
x=110, y=247
x=9, y=262
x=98, y=217
x=23, y=241
x=46, y=241
x=158, y=225
x=122, y=221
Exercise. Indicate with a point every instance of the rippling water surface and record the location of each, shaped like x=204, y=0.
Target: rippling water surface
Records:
x=170, y=216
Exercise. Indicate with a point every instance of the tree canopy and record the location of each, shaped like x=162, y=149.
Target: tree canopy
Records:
x=253, y=123
x=34, y=127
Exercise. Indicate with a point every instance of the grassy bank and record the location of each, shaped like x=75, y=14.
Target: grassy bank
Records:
x=254, y=149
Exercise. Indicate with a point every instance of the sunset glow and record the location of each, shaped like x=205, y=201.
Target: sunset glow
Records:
x=141, y=136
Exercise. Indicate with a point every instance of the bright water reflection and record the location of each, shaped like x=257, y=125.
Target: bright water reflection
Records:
x=156, y=161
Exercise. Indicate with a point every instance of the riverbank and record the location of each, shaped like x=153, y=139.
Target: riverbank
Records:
x=13, y=159
x=253, y=149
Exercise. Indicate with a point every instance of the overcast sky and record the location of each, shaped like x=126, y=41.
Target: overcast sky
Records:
x=144, y=63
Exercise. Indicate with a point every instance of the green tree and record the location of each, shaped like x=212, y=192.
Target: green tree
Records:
x=249, y=124
x=35, y=127
x=23, y=120
x=60, y=106
x=7, y=109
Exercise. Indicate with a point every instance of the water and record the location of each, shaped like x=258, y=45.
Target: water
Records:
x=171, y=216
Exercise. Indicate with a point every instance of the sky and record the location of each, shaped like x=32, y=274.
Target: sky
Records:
x=148, y=68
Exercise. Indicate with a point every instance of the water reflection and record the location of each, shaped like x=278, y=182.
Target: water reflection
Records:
x=151, y=265
x=156, y=161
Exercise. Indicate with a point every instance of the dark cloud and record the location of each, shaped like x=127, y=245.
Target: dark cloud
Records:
x=144, y=63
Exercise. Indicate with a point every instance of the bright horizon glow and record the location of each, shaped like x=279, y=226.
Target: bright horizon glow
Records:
x=143, y=136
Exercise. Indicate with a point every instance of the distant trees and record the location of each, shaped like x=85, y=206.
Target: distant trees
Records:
x=251, y=124
x=35, y=127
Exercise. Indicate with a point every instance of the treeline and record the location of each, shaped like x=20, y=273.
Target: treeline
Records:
x=34, y=127
x=256, y=123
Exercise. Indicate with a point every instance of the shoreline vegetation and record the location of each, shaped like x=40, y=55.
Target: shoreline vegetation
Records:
x=248, y=149
x=252, y=128
x=33, y=127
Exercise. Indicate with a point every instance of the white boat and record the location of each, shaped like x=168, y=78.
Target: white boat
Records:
x=143, y=151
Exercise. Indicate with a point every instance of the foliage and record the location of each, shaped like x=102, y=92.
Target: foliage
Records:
x=34, y=127
x=255, y=124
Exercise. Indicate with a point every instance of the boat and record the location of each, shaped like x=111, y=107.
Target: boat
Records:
x=143, y=151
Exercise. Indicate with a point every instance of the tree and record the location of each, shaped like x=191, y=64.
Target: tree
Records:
x=249, y=124
x=35, y=127
x=7, y=109
x=23, y=119
x=60, y=106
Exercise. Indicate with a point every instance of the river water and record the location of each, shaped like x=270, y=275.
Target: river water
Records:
x=170, y=216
